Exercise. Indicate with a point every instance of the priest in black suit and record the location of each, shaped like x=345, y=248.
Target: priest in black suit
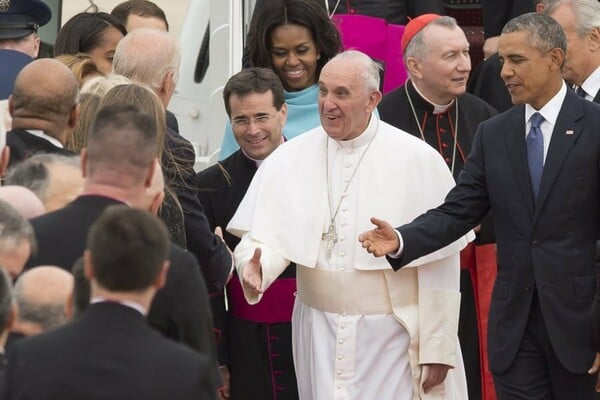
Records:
x=118, y=165
x=255, y=343
x=109, y=351
x=44, y=111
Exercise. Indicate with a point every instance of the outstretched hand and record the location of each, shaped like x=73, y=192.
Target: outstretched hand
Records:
x=252, y=274
x=381, y=240
x=436, y=374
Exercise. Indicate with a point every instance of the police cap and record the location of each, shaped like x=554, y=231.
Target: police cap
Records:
x=19, y=18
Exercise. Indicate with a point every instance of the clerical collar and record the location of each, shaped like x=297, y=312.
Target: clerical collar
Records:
x=127, y=303
x=361, y=140
x=43, y=135
x=258, y=162
x=437, y=108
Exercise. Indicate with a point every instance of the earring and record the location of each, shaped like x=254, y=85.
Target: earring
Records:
x=319, y=56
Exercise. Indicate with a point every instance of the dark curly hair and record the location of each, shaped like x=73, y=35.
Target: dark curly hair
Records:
x=274, y=13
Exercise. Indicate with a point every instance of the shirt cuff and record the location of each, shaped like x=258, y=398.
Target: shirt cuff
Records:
x=398, y=254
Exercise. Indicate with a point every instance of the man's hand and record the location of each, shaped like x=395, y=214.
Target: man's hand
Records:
x=381, y=240
x=490, y=46
x=252, y=274
x=595, y=369
x=436, y=373
x=219, y=233
x=223, y=392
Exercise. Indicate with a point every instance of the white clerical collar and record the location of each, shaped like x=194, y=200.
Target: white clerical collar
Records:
x=43, y=135
x=437, y=108
x=258, y=162
x=592, y=84
x=127, y=303
x=551, y=109
x=364, y=138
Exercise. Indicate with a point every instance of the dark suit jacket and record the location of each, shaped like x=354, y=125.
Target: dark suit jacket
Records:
x=107, y=353
x=24, y=144
x=178, y=167
x=180, y=310
x=497, y=13
x=548, y=247
x=596, y=306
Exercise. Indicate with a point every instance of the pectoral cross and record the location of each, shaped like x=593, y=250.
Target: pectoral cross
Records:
x=331, y=237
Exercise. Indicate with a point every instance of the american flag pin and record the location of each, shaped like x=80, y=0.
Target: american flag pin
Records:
x=569, y=132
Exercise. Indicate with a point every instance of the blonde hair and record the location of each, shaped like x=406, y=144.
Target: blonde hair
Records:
x=82, y=65
x=102, y=84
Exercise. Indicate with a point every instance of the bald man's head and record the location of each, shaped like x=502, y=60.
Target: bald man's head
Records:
x=41, y=294
x=35, y=97
x=23, y=200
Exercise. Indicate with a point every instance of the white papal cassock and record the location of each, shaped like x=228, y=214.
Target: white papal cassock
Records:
x=360, y=330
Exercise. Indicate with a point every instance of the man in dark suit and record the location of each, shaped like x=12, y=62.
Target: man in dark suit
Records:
x=119, y=164
x=580, y=20
x=44, y=111
x=543, y=193
x=151, y=57
x=255, y=103
x=109, y=351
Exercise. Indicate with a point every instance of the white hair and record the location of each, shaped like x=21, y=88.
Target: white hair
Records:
x=147, y=56
x=370, y=68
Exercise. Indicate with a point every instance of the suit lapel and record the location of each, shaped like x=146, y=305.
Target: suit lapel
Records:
x=517, y=153
x=564, y=135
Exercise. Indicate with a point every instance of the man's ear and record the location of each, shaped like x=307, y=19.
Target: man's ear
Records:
x=161, y=279
x=74, y=116
x=284, y=113
x=150, y=173
x=36, y=46
x=557, y=57
x=594, y=38
x=12, y=317
x=413, y=66
x=157, y=202
x=374, y=98
x=4, y=160
x=11, y=106
x=88, y=267
x=167, y=88
x=70, y=306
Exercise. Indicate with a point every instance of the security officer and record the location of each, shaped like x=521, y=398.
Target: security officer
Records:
x=19, y=22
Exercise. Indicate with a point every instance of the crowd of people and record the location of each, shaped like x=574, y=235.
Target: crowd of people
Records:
x=277, y=273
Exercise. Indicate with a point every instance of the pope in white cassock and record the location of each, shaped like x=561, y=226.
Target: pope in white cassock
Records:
x=360, y=330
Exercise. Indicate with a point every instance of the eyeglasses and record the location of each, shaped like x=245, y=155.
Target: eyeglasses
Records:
x=245, y=122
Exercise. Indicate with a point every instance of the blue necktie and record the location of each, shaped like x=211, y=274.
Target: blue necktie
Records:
x=535, y=152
